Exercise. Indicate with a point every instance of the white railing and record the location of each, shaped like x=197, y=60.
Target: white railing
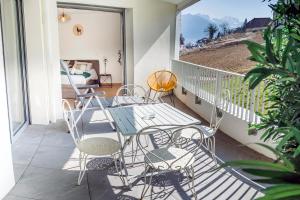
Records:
x=209, y=84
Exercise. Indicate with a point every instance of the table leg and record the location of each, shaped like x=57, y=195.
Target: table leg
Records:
x=124, y=145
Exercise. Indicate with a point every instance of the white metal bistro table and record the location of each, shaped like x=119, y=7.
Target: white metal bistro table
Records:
x=129, y=120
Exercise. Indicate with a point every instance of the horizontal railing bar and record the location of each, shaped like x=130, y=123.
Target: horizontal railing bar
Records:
x=209, y=68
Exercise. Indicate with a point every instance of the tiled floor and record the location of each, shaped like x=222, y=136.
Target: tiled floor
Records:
x=46, y=168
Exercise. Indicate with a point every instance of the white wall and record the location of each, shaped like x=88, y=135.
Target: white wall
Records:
x=232, y=126
x=6, y=167
x=101, y=38
x=154, y=38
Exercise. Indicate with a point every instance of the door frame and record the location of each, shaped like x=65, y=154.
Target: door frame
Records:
x=92, y=7
x=23, y=58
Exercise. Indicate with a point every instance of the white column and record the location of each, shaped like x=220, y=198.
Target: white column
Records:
x=177, y=35
x=36, y=63
x=51, y=41
x=6, y=167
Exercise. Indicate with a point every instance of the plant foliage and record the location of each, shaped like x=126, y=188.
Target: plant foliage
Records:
x=278, y=66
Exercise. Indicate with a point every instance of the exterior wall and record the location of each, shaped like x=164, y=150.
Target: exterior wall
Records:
x=6, y=167
x=101, y=38
x=232, y=126
x=154, y=38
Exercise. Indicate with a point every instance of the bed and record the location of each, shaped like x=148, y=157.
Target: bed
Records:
x=82, y=72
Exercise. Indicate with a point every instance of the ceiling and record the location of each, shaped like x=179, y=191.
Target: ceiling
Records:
x=182, y=4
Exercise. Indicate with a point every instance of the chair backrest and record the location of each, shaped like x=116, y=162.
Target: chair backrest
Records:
x=173, y=140
x=130, y=94
x=69, y=118
x=131, y=90
x=65, y=68
x=217, y=114
x=162, y=81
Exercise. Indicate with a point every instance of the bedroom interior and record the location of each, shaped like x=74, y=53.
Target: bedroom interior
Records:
x=91, y=45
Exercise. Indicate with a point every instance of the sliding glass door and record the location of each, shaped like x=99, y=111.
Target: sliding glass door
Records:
x=15, y=63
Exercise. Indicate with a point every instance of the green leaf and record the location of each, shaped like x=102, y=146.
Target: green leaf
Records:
x=295, y=36
x=284, y=140
x=257, y=51
x=282, y=191
x=297, y=152
x=269, y=50
x=279, y=40
x=283, y=175
x=286, y=53
x=256, y=165
x=256, y=75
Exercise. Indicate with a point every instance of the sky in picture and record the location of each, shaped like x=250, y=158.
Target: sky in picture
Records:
x=239, y=9
x=196, y=18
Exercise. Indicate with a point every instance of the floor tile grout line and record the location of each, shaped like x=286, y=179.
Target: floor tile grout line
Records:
x=24, y=197
x=88, y=184
x=29, y=164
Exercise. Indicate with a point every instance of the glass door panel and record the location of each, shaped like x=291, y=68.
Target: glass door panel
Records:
x=14, y=63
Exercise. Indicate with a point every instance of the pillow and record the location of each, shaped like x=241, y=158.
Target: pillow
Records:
x=74, y=71
x=94, y=75
x=84, y=66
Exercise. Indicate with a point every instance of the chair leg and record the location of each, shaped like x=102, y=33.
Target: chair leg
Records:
x=82, y=160
x=214, y=148
x=120, y=173
x=146, y=188
x=132, y=154
x=191, y=176
x=193, y=183
x=211, y=145
x=172, y=98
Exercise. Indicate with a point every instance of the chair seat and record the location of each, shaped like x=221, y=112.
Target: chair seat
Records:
x=99, y=146
x=194, y=134
x=169, y=158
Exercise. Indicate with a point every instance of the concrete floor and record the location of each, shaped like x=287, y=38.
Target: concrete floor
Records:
x=46, y=168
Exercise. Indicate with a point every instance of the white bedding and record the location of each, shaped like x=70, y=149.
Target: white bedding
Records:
x=77, y=79
x=77, y=71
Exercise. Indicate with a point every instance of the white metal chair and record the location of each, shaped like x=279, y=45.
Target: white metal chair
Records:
x=130, y=94
x=95, y=146
x=209, y=132
x=88, y=97
x=169, y=158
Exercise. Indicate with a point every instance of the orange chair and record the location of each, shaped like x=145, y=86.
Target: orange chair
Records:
x=162, y=82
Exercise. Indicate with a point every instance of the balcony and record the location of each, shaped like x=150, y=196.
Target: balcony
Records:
x=46, y=167
x=44, y=157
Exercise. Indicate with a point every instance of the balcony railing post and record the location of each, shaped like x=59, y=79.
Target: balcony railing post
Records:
x=252, y=103
x=218, y=88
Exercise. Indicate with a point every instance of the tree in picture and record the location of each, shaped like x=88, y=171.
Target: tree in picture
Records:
x=182, y=40
x=278, y=65
x=224, y=28
x=211, y=30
